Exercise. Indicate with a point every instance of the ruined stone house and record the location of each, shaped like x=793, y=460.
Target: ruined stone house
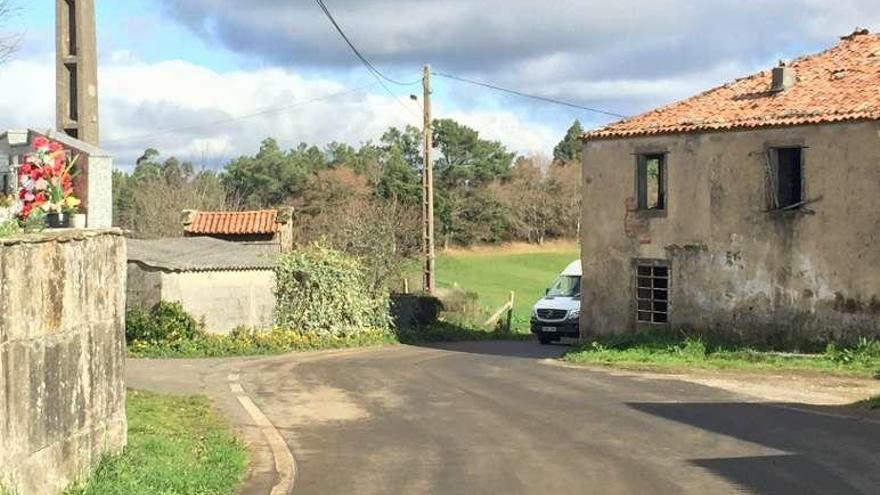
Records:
x=270, y=228
x=750, y=211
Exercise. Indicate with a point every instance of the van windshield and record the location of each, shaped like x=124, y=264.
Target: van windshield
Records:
x=565, y=286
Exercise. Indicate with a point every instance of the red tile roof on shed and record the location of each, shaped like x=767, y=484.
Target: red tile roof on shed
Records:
x=234, y=222
x=840, y=84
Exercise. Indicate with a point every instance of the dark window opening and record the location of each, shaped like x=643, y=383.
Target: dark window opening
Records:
x=652, y=291
x=651, y=182
x=71, y=27
x=72, y=106
x=786, y=177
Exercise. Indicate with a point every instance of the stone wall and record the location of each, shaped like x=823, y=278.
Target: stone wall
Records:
x=737, y=269
x=62, y=357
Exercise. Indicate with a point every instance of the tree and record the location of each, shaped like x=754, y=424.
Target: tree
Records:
x=150, y=200
x=271, y=177
x=569, y=149
x=400, y=163
x=465, y=159
x=8, y=42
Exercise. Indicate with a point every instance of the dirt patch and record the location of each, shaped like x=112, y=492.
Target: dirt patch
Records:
x=515, y=248
x=796, y=387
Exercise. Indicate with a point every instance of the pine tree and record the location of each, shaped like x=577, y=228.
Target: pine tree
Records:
x=569, y=149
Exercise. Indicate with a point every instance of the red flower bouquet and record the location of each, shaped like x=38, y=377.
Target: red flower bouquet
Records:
x=45, y=180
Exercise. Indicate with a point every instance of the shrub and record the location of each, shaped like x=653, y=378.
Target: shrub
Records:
x=166, y=322
x=324, y=292
x=415, y=310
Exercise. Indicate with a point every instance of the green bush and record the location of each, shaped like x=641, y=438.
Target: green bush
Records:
x=166, y=322
x=324, y=292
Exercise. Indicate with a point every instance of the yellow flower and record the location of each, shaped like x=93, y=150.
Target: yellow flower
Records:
x=71, y=202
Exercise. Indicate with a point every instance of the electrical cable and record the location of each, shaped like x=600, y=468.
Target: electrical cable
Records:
x=527, y=95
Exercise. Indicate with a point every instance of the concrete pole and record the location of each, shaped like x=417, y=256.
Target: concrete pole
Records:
x=76, y=70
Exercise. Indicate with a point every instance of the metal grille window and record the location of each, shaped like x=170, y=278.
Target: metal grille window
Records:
x=652, y=291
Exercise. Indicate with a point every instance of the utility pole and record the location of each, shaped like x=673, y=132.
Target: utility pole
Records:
x=428, y=188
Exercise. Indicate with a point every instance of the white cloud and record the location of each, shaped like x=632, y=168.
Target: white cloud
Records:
x=171, y=105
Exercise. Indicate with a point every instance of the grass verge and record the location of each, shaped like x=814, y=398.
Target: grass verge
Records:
x=176, y=445
x=873, y=403
x=657, y=353
x=450, y=332
x=255, y=343
x=280, y=342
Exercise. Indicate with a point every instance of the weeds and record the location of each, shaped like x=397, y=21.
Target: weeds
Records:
x=678, y=351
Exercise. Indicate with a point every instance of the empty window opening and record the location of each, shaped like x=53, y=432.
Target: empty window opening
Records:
x=72, y=104
x=71, y=27
x=786, y=177
x=651, y=182
x=652, y=291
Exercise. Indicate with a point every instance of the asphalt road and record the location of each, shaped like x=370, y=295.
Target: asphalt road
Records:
x=493, y=418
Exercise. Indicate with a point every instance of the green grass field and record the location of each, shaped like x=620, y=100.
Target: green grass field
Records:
x=493, y=273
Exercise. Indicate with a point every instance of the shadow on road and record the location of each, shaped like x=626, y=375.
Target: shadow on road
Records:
x=819, y=454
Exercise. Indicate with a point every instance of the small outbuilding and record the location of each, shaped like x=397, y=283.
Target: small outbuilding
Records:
x=225, y=283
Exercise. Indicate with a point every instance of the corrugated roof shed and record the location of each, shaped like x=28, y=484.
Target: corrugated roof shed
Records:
x=194, y=254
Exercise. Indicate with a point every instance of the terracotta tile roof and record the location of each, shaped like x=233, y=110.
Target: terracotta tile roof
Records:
x=234, y=222
x=840, y=84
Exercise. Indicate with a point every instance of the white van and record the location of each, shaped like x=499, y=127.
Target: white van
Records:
x=558, y=313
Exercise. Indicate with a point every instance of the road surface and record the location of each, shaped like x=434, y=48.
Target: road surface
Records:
x=498, y=418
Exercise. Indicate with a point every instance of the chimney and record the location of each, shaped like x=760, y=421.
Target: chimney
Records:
x=784, y=78
x=187, y=217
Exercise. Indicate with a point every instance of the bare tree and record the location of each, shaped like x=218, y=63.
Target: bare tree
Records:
x=8, y=42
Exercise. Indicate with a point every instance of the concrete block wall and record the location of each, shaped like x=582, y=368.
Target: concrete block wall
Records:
x=62, y=357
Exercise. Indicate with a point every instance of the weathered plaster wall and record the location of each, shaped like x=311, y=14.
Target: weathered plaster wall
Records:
x=62, y=352
x=225, y=299
x=738, y=270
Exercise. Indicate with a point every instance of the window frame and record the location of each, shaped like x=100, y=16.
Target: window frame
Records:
x=653, y=264
x=641, y=183
x=772, y=177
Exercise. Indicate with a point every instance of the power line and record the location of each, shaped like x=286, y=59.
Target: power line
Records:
x=370, y=67
x=266, y=111
x=527, y=95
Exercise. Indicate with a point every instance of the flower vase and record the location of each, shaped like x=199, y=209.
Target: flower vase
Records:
x=58, y=220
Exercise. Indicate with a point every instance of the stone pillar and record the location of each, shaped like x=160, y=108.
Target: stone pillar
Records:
x=76, y=70
x=62, y=357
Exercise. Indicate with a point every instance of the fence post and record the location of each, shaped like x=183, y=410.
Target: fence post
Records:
x=510, y=303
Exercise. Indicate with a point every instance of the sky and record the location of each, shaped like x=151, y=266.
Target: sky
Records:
x=208, y=80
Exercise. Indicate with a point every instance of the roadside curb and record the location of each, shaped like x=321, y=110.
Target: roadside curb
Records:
x=285, y=462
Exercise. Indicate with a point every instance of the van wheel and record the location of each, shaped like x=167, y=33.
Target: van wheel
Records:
x=545, y=339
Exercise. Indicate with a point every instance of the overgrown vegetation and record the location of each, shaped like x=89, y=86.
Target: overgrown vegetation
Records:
x=666, y=351
x=255, y=342
x=323, y=292
x=176, y=445
x=873, y=403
